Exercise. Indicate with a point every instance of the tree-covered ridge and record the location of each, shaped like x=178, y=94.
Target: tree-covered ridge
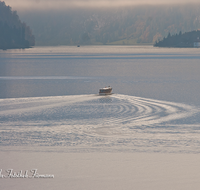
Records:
x=13, y=33
x=179, y=40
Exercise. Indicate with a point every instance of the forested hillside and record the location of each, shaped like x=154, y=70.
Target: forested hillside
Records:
x=13, y=33
x=133, y=25
x=188, y=39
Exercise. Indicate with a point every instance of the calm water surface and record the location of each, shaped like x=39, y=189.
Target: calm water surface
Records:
x=145, y=71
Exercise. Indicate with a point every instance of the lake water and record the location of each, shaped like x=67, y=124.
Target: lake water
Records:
x=144, y=71
x=49, y=97
x=49, y=102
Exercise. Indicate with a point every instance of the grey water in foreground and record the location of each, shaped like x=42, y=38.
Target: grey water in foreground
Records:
x=49, y=99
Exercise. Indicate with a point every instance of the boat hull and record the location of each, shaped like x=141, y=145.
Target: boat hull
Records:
x=105, y=91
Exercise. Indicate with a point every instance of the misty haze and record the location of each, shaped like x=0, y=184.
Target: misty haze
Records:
x=116, y=26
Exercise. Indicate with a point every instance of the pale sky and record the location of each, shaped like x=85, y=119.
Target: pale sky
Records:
x=64, y=4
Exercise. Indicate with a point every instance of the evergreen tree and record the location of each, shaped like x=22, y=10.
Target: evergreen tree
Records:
x=13, y=33
x=186, y=39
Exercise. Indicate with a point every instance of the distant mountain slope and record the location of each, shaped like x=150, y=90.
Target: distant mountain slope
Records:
x=13, y=33
x=133, y=25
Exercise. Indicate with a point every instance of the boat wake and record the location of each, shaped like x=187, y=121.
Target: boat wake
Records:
x=106, y=123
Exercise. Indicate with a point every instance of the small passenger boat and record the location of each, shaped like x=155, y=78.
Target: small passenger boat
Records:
x=105, y=91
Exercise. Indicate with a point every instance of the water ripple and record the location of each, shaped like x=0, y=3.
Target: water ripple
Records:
x=116, y=122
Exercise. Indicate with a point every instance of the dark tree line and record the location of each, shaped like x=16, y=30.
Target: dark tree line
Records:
x=186, y=39
x=13, y=33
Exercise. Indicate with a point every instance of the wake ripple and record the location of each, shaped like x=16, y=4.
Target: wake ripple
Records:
x=91, y=121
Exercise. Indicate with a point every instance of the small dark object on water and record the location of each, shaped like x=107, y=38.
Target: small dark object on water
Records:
x=105, y=91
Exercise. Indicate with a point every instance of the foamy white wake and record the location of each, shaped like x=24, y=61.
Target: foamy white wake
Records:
x=116, y=122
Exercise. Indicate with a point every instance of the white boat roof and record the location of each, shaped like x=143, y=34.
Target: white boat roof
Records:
x=106, y=88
